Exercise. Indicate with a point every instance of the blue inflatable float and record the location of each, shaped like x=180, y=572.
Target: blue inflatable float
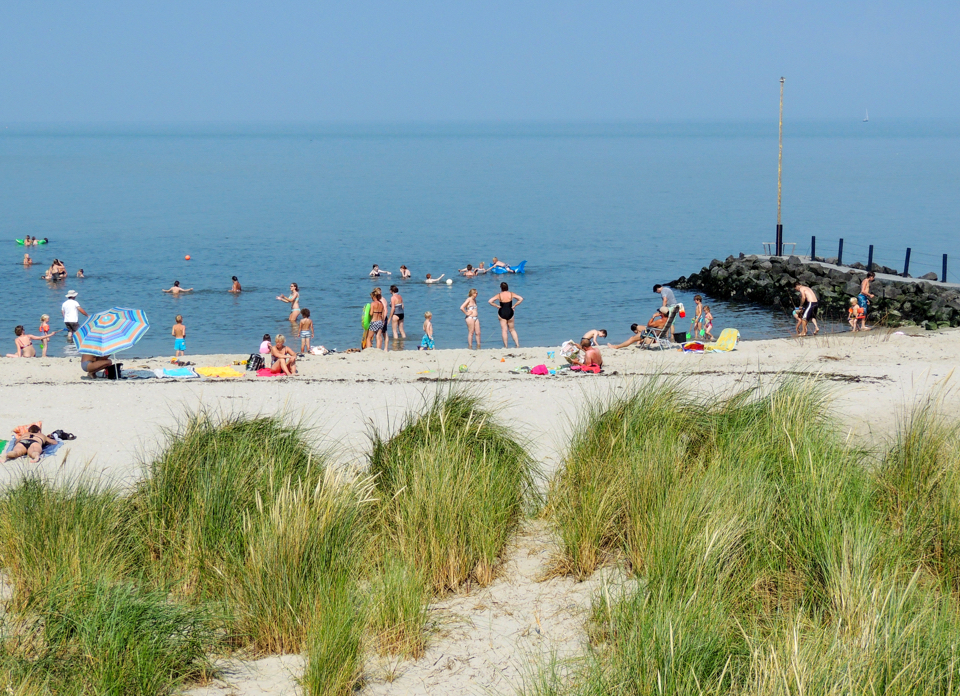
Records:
x=509, y=269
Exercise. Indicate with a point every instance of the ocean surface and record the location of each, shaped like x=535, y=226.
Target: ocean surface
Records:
x=600, y=212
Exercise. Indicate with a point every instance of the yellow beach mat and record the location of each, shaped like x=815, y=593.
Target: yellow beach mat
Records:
x=217, y=372
x=729, y=338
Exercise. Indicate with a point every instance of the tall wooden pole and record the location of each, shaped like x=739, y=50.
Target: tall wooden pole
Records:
x=779, y=249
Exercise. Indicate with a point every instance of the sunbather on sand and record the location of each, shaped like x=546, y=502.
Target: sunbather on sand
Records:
x=31, y=445
x=657, y=321
x=284, y=359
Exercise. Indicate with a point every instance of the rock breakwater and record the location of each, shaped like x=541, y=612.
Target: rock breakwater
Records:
x=770, y=280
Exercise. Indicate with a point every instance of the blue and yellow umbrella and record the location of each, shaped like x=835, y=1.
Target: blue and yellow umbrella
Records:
x=111, y=331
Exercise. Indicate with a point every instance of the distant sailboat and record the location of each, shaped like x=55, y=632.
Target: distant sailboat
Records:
x=866, y=116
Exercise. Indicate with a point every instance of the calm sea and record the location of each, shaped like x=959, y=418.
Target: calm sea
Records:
x=599, y=212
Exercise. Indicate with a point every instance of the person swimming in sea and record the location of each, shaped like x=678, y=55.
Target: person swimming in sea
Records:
x=236, y=285
x=176, y=289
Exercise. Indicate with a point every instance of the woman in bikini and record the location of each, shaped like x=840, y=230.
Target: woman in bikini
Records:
x=378, y=318
x=284, y=359
x=507, y=303
x=469, y=307
x=24, y=342
x=31, y=445
x=293, y=300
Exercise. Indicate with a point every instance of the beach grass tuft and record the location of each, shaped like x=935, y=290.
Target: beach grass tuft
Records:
x=73, y=532
x=453, y=484
x=107, y=638
x=772, y=558
x=194, y=503
x=396, y=608
x=334, y=646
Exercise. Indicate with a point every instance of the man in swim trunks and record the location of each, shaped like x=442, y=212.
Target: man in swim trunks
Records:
x=71, y=311
x=865, y=291
x=809, y=312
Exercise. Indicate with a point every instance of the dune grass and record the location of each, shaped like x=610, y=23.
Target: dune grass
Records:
x=102, y=638
x=239, y=530
x=194, y=503
x=396, y=607
x=76, y=532
x=772, y=560
x=453, y=484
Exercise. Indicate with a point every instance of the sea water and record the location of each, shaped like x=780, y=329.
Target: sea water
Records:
x=600, y=212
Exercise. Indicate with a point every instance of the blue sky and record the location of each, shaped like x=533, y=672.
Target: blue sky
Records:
x=474, y=61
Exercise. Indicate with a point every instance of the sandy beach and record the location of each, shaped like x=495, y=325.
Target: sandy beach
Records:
x=484, y=640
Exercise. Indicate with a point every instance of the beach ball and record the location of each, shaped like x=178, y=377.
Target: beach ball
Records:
x=449, y=281
x=463, y=368
x=187, y=257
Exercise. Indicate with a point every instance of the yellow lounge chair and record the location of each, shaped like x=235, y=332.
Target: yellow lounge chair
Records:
x=729, y=338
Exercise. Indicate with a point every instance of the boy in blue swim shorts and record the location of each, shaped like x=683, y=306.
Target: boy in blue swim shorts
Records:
x=179, y=334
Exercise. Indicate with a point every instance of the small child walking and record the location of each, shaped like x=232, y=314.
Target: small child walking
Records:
x=45, y=332
x=179, y=333
x=858, y=315
x=306, y=331
x=426, y=343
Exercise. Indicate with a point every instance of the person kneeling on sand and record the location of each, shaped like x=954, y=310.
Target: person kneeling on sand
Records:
x=284, y=359
x=92, y=364
x=31, y=445
x=591, y=354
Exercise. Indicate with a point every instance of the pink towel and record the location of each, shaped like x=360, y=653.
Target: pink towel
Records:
x=540, y=370
x=266, y=372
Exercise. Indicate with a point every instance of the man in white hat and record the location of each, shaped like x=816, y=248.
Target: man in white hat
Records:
x=71, y=311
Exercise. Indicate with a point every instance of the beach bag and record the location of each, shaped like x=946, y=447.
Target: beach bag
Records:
x=114, y=371
x=254, y=362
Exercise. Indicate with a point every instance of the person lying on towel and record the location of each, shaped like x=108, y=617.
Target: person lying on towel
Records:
x=31, y=445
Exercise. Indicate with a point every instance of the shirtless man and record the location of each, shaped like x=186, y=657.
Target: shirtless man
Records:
x=809, y=310
x=591, y=354
x=656, y=322
x=176, y=289
x=469, y=271
x=865, y=291
x=435, y=280
x=594, y=334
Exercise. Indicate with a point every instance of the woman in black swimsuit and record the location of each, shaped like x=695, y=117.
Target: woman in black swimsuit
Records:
x=507, y=302
x=396, y=311
x=31, y=445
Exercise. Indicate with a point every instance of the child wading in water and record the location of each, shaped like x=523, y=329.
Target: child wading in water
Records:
x=426, y=342
x=306, y=331
x=179, y=333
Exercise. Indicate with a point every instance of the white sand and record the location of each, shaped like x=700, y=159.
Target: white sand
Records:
x=484, y=634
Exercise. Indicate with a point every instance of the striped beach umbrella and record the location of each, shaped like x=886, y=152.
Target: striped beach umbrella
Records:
x=111, y=331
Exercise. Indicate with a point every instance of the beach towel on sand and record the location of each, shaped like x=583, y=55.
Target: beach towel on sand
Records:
x=265, y=372
x=218, y=372
x=726, y=342
x=179, y=372
x=139, y=374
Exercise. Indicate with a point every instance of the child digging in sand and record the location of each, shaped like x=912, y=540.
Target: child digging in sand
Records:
x=179, y=333
x=306, y=331
x=427, y=342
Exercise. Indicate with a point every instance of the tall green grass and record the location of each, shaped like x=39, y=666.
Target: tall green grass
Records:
x=101, y=638
x=74, y=532
x=195, y=500
x=453, y=484
x=764, y=543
